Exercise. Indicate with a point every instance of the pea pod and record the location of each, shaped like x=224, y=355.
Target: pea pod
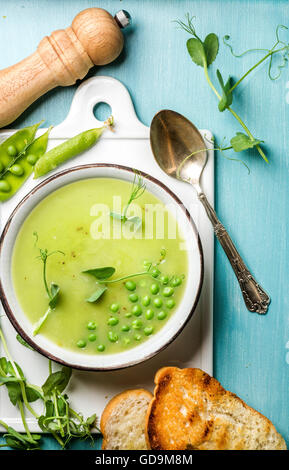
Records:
x=21, y=166
x=68, y=149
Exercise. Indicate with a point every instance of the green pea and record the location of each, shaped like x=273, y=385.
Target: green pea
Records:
x=12, y=151
x=176, y=281
x=112, y=321
x=149, y=314
x=148, y=330
x=112, y=336
x=126, y=341
x=133, y=297
x=81, y=343
x=114, y=307
x=125, y=328
x=146, y=300
x=16, y=170
x=136, y=324
x=137, y=337
x=32, y=159
x=20, y=146
x=161, y=315
x=130, y=285
x=91, y=325
x=154, y=289
x=168, y=291
x=92, y=337
x=136, y=310
x=4, y=186
x=155, y=272
x=164, y=279
x=170, y=303
x=128, y=315
x=101, y=347
x=158, y=302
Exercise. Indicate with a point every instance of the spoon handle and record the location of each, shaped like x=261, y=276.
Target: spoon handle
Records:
x=256, y=299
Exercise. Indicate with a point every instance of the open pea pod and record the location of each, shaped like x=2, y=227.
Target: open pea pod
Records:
x=15, y=170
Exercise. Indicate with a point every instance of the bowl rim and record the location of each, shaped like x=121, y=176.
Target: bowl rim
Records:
x=8, y=309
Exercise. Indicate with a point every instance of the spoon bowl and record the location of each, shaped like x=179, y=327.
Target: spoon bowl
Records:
x=173, y=138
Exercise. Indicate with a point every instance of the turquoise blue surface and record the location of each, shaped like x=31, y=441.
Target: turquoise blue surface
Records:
x=249, y=350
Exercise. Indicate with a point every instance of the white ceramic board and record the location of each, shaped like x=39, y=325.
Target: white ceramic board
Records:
x=127, y=145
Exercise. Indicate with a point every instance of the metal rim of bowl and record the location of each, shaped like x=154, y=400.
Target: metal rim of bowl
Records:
x=8, y=309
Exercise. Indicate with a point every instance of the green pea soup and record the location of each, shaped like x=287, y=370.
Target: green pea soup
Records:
x=131, y=310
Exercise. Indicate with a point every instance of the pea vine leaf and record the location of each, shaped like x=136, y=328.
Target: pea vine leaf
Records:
x=227, y=96
x=196, y=50
x=242, y=142
x=54, y=291
x=97, y=294
x=56, y=382
x=211, y=47
x=101, y=273
x=23, y=342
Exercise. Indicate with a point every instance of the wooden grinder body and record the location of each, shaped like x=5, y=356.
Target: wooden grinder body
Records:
x=94, y=38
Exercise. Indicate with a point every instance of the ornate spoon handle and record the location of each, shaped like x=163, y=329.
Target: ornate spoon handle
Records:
x=256, y=299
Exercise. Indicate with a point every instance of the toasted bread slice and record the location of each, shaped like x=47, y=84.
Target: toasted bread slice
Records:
x=123, y=421
x=191, y=410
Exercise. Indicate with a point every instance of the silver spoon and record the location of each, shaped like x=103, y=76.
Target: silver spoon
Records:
x=173, y=138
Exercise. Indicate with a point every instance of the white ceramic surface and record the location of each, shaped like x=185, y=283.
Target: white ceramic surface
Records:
x=128, y=145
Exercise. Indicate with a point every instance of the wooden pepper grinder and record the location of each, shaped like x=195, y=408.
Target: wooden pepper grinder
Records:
x=94, y=38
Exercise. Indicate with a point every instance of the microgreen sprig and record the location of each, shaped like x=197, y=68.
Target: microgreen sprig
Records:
x=102, y=276
x=53, y=291
x=137, y=190
x=203, y=53
x=59, y=418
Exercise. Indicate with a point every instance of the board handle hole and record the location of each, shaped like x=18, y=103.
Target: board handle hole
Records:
x=102, y=111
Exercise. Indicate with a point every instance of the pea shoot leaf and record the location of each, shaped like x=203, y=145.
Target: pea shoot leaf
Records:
x=242, y=142
x=97, y=294
x=227, y=96
x=57, y=381
x=211, y=46
x=23, y=342
x=54, y=292
x=101, y=273
x=197, y=51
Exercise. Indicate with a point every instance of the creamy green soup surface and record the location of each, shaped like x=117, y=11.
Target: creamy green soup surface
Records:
x=130, y=311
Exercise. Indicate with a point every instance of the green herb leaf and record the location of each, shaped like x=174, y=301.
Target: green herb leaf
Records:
x=41, y=321
x=196, y=50
x=55, y=291
x=91, y=420
x=227, y=96
x=97, y=294
x=242, y=142
x=23, y=342
x=32, y=394
x=101, y=273
x=14, y=392
x=211, y=46
x=57, y=381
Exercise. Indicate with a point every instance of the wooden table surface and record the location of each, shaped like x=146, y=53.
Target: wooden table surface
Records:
x=251, y=352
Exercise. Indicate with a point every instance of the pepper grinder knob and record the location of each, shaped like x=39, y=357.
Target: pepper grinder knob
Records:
x=123, y=19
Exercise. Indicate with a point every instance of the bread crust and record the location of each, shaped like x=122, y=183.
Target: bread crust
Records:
x=109, y=409
x=191, y=410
